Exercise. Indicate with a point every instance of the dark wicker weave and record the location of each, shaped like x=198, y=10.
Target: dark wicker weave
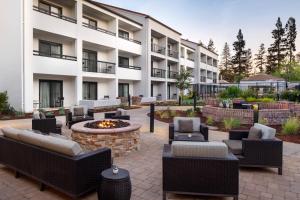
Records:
x=199, y=175
x=47, y=125
x=115, y=187
x=258, y=153
x=70, y=119
x=112, y=116
x=203, y=131
x=74, y=176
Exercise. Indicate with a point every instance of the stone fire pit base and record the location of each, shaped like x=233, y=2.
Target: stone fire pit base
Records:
x=121, y=141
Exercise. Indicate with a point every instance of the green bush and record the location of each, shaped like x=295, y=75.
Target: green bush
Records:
x=210, y=121
x=291, y=95
x=263, y=121
x=266, y=100
x=291, y=126
x=251, y=99
x=230, y=93
x=61, y=111
x=249, y=93
x=3, y=101
x=231, y=123
x=190, y=113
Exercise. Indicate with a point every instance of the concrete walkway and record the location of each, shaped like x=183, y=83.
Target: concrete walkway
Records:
x=145, y=168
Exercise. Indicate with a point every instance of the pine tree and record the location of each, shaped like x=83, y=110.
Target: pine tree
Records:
x=248, y=62
x=291, y=34
x=211, y=45
x=239, y=59
x=260, y=60
x=277, y=50
x=298, y=57
x=225, y=65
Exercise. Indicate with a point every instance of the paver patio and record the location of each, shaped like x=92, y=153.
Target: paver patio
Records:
x=146, y=175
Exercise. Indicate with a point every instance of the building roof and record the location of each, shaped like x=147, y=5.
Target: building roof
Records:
x=134, y=12
x=262, y=77
x=223, y=82
x=199, y=44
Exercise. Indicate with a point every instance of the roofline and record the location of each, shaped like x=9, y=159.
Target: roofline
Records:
x=201, y=46
x=188, y=46
x=101, y=5
x=139, y=13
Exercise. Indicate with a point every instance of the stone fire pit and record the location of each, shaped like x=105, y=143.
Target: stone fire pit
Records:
x=120, y=140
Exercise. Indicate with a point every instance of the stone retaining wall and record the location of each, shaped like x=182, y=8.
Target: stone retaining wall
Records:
x=275, y=116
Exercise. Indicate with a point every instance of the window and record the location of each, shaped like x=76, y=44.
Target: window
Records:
x=123, y=89
x=89, y=90
x=50, y=49
x=50, y=93
x=90, y=22
x=123, y=61
x=123, y=34
x=50, y=9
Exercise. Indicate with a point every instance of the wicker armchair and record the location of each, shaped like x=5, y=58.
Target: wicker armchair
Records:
x=71, y=119
x=200, y=175
x=112, y=115
x=203, y=129
x=257, y=152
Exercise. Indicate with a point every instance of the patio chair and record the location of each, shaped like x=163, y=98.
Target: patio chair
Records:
x=78, y=114
x=200, y=168
x=256, y=151
x=46, y=124
x=119, y=114
x=196, y=128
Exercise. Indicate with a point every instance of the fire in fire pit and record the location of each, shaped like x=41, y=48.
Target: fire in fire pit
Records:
x=106, y=124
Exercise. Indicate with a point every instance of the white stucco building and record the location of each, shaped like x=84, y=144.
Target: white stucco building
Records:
x=57, y=52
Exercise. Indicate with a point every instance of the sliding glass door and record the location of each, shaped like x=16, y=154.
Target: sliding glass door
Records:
x=89, y=60
x=123, y=89
x=51, y=93
x=89, y=90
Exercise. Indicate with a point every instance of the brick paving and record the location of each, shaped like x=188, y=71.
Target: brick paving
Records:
x=146, y=175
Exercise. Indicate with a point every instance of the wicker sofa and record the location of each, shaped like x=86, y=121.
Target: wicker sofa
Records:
x=73, y=175
x=119, y=114
x=198, y=128
x=256, y=152
x=204, y=174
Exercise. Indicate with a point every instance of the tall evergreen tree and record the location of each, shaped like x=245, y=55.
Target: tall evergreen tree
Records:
x=260, y=60
x=248, y=62
x=225, y=64
x=291, y=34
x=239, y=59
x=277, y=49
x=211, y=45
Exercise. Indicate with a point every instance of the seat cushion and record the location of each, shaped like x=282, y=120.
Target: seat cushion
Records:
x=58, y=124
x=123, y=112
x=235, y=146
x=118, y=113
x=267, y=132
x=32, y=138
x=78, y=111
x=185, y=126
x=199, y=149
x=254, y=133
x=42, y=115
x=12, y=133
x=196, y=123
x=63, y=146
x=36, y=115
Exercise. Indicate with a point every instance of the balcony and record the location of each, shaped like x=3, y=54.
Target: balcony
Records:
x=158, y=73
x=202, y=79
x=53, y=55
x=173, y=54
x=158, y=49
x=98, y=29
x=53, y=14
x=214, y=80
x=191, y=59
x=130, y=67
x=172, y=74
x=98, y=66
x=130, y=39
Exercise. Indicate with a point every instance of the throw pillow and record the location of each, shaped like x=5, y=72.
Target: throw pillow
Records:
x=254, y=133
x=42, y=115
x=36, y=115
x=118, y=113
x=78, y=111
x=185, y=126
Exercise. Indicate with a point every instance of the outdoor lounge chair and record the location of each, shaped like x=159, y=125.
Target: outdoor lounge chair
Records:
x=263, y=152
x=119, y=114
x=46, y=124
x=78, y=114
x=200, y=168
x=197, y=128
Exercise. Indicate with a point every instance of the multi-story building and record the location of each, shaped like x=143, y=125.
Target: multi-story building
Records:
x=55, y=53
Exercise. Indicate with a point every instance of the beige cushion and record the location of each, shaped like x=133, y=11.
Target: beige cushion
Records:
x=267, y=132
x=123, y=112
x=78, y=111
x=36, y=115
x=59, y=124
x=254, y=133
x=118, y=113
x=199, y=149
x=42, y=115
x=12, y=133
x=67, y=147
x=185, y=126
x=234, y=146
x=196, y=123
x=32, y=138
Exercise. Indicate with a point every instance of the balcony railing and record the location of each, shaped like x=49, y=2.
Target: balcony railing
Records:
x=130, y=39
x=209, y=77
x=191, y=59
x=98, y=29
x=130, y=67
x=54, y=55
x=172, y=74
x=202, y=79
x=98, y=66
x=53, y=14
x=159, y=73
x=157, y=49
x=173, y=54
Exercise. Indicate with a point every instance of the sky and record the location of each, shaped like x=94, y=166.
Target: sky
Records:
x=219, y=20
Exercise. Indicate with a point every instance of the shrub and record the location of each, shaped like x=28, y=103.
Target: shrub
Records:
x=263, y=121
x=19, y=114
x=165, y=115
x=3, y=101
x=61, y=111
x=210, y=121
x=291, y=126
x=190, y=113
x=230, y=92
x=266, y=100
x=251, y=99
x=291, y=95
x=231, y=123
x=249, y=93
